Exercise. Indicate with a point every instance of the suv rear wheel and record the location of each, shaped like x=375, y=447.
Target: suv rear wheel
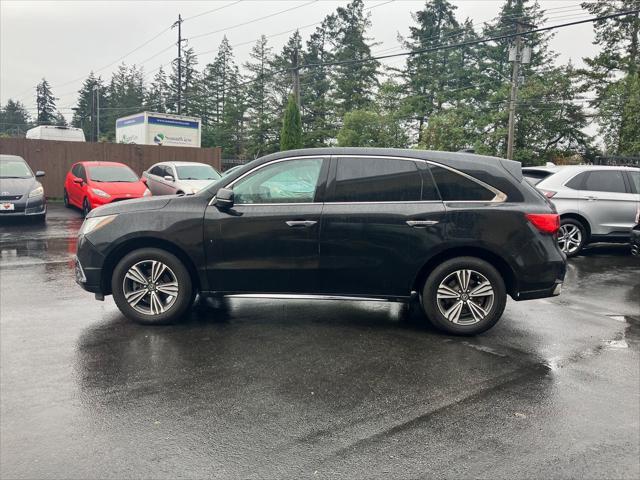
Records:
x=152, y=286
x=464, y=296
x=572, y=236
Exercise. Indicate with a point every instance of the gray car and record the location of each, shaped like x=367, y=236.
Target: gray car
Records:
x=171, y=178
x=595, y=203
x=21, y=194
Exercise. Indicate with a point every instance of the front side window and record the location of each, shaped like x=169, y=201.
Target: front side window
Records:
x=112, y=174
x=605, y=181
x=456, y=187
x=82, y=173
x=291, y=181
x=362, y=179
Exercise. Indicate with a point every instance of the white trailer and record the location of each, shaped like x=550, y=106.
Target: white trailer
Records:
x=150, y=128
x=53, y=132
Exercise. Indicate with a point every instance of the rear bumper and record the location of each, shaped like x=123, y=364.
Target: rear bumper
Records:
x=553, y=291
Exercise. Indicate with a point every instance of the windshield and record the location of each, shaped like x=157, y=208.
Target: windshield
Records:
x=15, y=169
x=197, y=172
x=112, y=174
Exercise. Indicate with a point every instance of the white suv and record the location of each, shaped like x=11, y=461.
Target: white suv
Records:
x=595, y=203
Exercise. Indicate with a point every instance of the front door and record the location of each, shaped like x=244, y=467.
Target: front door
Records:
x=268, y=241
x=381, y=218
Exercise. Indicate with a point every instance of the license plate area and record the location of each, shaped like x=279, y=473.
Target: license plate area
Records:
x=7, y=207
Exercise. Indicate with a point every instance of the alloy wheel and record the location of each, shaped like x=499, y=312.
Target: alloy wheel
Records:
x=150, y=287
x=465, y=297
x=569, y=238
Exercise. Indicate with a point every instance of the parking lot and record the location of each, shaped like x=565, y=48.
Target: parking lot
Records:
x=287, y=389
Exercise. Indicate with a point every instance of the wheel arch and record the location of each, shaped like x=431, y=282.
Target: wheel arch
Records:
x=499, y=263
x=580, y=218
x=137, y=243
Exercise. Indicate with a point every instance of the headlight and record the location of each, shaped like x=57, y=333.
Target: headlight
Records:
x=100, y=193
x=95, y=223
x=36, y=192
x=147, y=193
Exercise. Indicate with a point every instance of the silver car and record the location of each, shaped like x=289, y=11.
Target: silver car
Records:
x=595, y=203
x=171, y=178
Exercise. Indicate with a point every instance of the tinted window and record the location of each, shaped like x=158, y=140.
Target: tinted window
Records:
x=157, y=170
x=292, y=181
x=197, y=172
x=454, y=186
x=605, y=181
x=635, y=180
x=81, y=173
x=75, y=170
x=112, y=174
x=377, y=180
x=577, y=182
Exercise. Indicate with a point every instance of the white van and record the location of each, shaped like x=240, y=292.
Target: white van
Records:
x=52, y=132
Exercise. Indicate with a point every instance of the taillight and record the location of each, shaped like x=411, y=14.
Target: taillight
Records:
x=545, y=222
x=548, y=193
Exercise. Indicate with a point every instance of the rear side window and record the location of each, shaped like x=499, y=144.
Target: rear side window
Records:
x=455, y=187
x=377, y=180
x=577, y=182
x=605, y=181
x=157, y=170
x=635, y=180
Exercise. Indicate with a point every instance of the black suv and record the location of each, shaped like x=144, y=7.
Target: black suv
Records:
x=461, y=230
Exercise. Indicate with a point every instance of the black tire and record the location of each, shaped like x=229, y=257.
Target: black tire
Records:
x=571, y=224
x=467, y=323
x=86, y=208
x=65, y=199
x=179, y=306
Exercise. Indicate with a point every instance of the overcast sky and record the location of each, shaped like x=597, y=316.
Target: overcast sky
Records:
x=64, y=40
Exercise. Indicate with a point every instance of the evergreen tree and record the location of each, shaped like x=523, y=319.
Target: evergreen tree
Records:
x=262, y=124
x=46, y=104
x=82, y=112
x=354, y=81
x=291, y=135
x=189, y=86
x=14, y=119
x=157, y=95
x=613, y=75
x=125, y=95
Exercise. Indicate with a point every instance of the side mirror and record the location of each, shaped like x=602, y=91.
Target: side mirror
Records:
x=168, y=178
x=78, y=180
x=39, y=173
x=224, y=198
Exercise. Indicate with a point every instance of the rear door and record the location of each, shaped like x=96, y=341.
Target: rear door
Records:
x=607, y=201
x=380, y=217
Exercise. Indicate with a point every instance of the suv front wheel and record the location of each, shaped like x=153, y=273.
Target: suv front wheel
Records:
x=464, y=296
x=152, y=286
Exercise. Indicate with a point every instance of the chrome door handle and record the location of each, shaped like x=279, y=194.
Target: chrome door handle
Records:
x=421, y=223
x=301, y=223
x=592, y=199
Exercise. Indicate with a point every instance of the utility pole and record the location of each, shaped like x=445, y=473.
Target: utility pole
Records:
x=179, y=24
x=96, y=92
x=93, y=115
x=514, y=90
x=296, y=78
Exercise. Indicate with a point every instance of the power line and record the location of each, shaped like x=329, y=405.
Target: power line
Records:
x=211, y=11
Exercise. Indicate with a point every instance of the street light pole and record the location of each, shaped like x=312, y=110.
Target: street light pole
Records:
x=514, y=92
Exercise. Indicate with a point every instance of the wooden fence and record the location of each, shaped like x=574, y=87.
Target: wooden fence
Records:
x=56, y=158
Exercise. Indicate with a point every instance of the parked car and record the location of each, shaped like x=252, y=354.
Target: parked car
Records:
x=171, y=178
x=534, y=175
x=635, y=236
x=21, y=194
x=595, y=203
x=91, y=184
x=461, y=230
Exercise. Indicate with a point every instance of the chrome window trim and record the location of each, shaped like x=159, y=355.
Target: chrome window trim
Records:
x=500, y=197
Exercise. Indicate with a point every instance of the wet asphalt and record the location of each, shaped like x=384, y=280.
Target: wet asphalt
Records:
x=312, y=389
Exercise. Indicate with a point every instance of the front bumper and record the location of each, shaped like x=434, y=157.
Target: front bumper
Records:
x=89, y=264
x=31, y=206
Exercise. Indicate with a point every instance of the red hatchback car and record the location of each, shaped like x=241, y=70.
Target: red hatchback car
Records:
x=91, y=184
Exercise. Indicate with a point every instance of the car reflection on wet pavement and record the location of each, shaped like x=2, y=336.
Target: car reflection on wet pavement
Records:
x=280, y=388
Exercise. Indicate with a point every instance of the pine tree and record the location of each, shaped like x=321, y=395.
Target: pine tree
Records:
x=262, y=124
x=614, y=75
x=189, y=84
x=82, y=111
x=46, y=104
x=291, y=135
x=14, y=119
x=157, y=95
x=355, y=81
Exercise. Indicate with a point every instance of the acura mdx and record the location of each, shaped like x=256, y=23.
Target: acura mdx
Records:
x=457, y=232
